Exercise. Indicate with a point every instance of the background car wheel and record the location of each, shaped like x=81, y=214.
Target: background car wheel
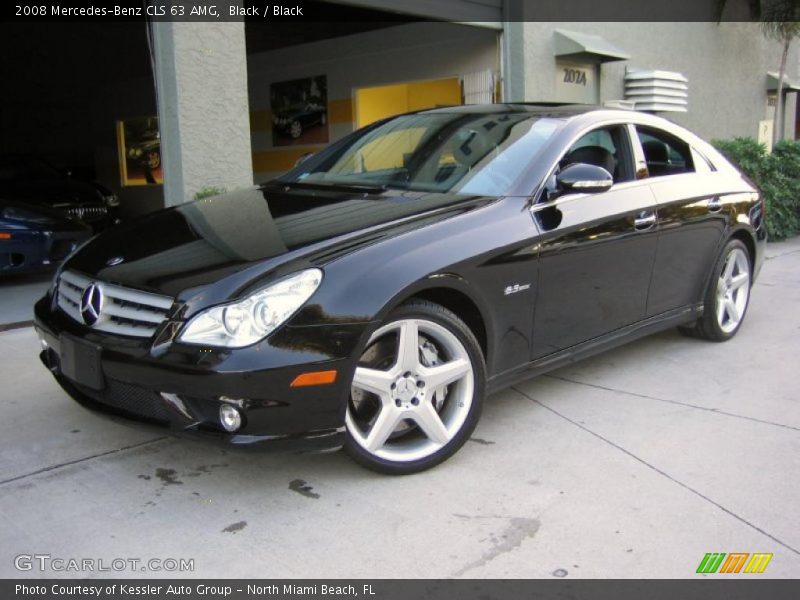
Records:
x=295, y=129
x=417, y=391
x=727, y=296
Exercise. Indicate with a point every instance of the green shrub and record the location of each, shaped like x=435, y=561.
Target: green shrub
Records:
x=208, y=192
x=777, y=175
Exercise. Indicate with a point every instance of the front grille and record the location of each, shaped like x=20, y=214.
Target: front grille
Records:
x=88, y=214
x=136, y=401
x=124, y=311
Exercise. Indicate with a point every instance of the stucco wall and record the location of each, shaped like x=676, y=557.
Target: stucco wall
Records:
x=726, y=65
x=202, y=101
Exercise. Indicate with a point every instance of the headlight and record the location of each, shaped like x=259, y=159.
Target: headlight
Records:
x=250, y=320
x=20, y=214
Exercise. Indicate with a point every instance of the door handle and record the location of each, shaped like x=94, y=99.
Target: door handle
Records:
x=714, y=205
x=644, y=220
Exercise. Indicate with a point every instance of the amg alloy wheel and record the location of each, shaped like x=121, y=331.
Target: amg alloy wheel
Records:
x=416, y=392
x=727, y=295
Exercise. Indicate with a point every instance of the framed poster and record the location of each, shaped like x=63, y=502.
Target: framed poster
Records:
x=299, y=111
x=139, y=148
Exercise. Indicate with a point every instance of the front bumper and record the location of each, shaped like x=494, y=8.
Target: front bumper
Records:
x=179, y=388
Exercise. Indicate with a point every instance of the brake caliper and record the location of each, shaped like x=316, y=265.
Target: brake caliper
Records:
x=429, y=357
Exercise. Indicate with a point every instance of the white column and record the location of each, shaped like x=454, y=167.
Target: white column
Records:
x=201, y=82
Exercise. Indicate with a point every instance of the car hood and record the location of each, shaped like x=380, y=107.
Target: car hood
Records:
x=252, y=234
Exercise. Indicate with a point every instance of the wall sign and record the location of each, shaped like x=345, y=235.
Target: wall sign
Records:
x=576, y=83
x=139, y=148
x=299, y=111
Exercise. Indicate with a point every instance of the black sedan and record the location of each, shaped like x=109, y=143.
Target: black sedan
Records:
x=294, y=122
x=34, y=238
x=33, y=180
x=372, y=296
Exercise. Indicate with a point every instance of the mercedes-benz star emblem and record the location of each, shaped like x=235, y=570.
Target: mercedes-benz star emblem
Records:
x=114, y=261
x=91, y=304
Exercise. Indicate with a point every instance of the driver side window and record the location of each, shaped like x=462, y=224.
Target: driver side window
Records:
x=606, y=147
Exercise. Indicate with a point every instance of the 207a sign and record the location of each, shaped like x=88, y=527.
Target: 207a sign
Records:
x=575, y=76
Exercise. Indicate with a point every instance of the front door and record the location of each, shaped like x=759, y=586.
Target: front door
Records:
x=597, y=250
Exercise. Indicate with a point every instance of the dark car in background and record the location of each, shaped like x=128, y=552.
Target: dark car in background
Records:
x=370, y=297
x=36, y=238
x=295, y=121
x=34, y=181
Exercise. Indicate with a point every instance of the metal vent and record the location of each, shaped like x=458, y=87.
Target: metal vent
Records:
x=123, y=311
x=657, y=91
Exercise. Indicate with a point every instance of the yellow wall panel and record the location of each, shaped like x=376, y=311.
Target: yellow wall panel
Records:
x=380, y=102
x=373, y=104
x=428, y=94
x=279, y=160
x=340, y=111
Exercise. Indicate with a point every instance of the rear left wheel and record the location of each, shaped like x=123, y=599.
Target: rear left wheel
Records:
x=417, y=391
x=727, y=296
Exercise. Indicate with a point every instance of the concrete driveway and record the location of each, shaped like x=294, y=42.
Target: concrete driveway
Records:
x=633, y=464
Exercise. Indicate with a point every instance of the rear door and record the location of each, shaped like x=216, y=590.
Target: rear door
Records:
x=597, y=251
x=691, y=218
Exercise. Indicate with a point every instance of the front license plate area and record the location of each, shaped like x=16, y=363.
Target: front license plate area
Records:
x=80, y=362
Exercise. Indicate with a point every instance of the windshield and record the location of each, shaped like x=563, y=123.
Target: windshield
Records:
x=476, y=154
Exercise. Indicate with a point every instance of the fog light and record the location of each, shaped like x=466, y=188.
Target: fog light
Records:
x=230, y=417
x=43, y=343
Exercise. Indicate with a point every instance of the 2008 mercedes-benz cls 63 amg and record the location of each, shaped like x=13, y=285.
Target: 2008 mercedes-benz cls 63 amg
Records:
x=370, y=297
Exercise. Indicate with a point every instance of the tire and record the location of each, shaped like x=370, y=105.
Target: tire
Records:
x=295, y=129
x=727, y=296
x=414, y=404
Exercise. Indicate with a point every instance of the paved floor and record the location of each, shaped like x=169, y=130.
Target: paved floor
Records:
x=18, y=294
x=632, y=464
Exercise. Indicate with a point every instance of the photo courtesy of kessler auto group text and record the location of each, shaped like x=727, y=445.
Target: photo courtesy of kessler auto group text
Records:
x=392, y=299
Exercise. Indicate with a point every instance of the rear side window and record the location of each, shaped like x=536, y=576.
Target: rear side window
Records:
x=664, y=153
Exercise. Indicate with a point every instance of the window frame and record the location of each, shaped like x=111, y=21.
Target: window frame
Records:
x=642, y=169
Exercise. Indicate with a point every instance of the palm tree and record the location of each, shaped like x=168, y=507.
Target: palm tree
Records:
x=779, y=21
x=781, y=24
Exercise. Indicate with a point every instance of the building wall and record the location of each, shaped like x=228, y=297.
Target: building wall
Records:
x=726, y=65
x=411, y=52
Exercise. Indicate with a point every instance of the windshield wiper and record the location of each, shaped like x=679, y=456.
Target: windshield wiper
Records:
x=350, y=187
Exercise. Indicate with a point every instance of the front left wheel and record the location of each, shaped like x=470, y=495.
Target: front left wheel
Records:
x=417, y=391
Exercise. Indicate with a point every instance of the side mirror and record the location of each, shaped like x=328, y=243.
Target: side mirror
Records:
x=584, y=178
